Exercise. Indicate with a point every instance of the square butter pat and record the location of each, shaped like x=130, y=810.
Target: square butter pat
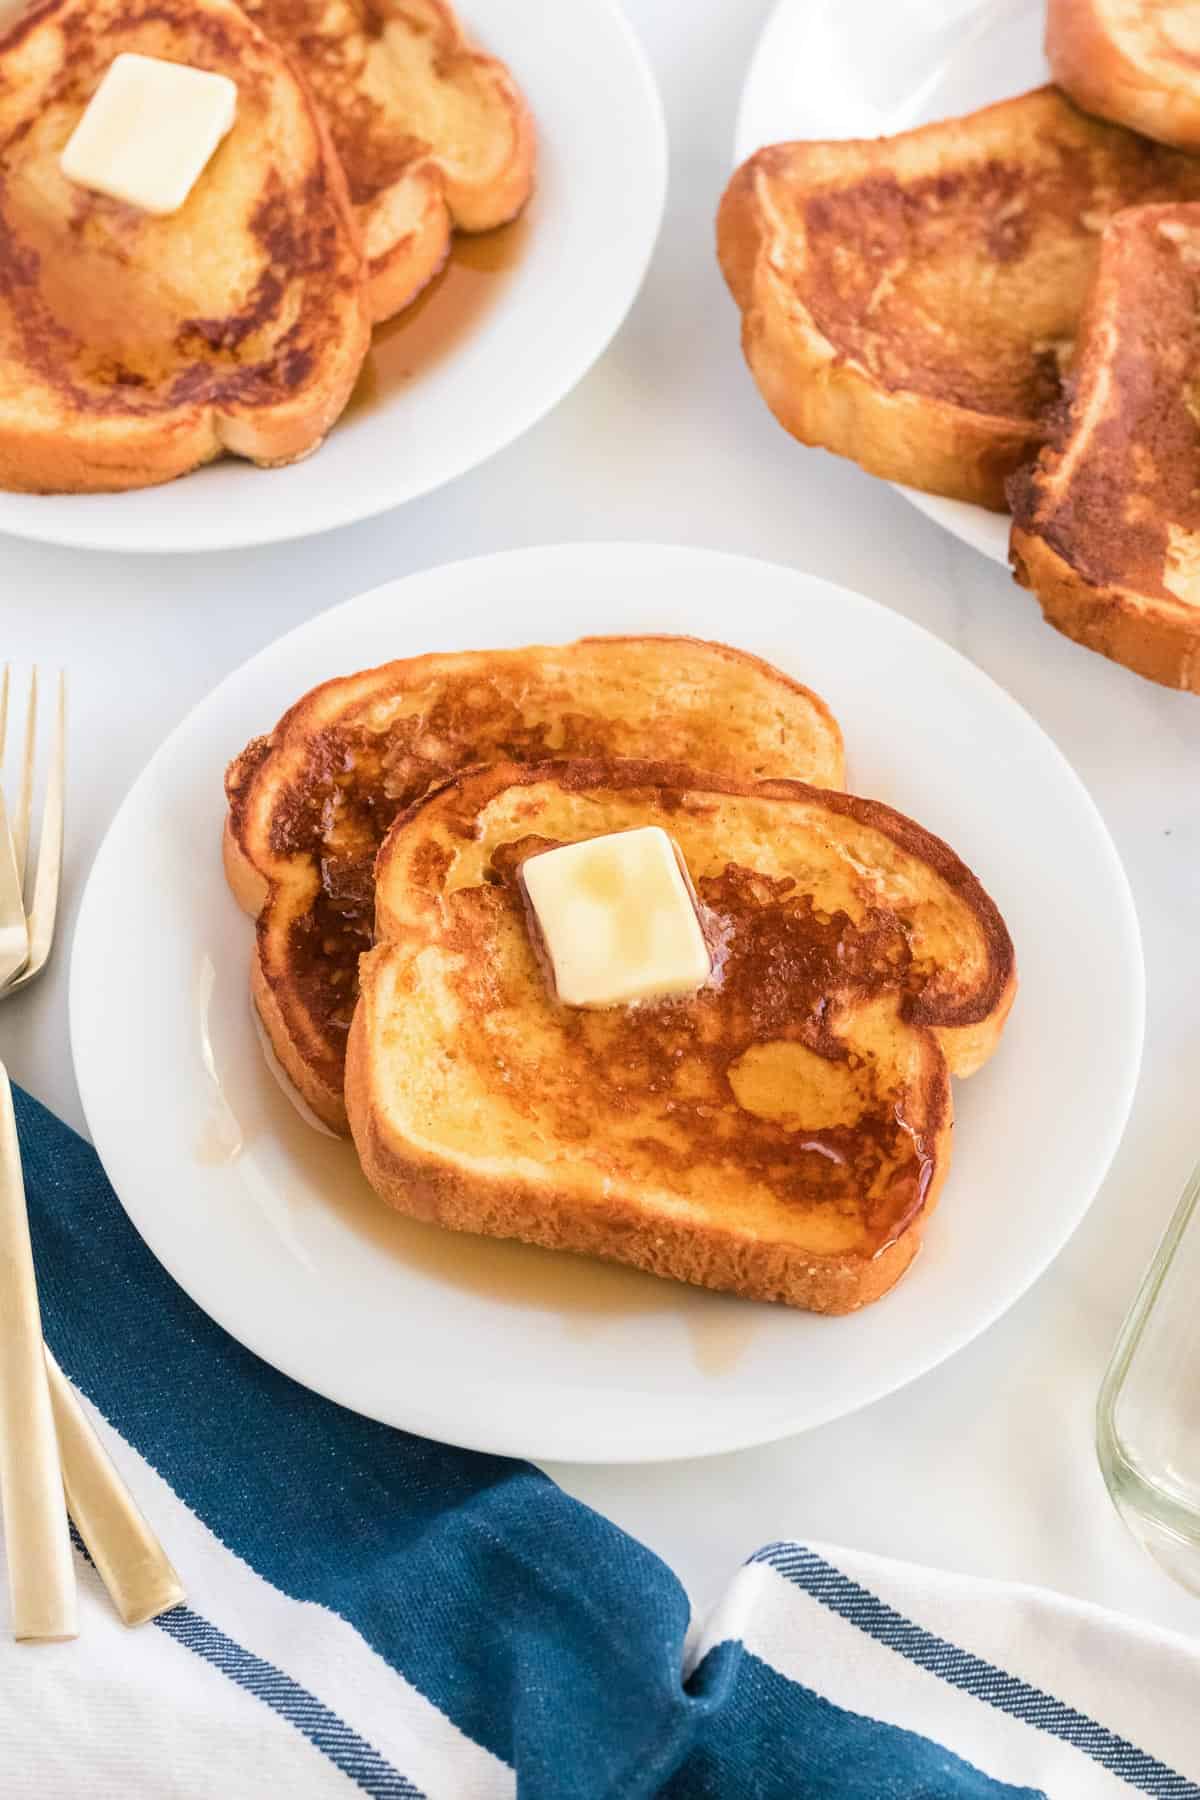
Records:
x=617, y=918
x=148, y=131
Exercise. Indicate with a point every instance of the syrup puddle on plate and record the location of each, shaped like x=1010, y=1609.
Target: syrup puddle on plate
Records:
x=220, y=1139
x=454, y=304
x=589, y=1295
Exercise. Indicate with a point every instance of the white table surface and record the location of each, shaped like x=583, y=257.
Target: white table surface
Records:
x=986, y=1465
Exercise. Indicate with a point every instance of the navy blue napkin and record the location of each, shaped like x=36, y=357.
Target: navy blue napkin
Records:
x=545, y=1633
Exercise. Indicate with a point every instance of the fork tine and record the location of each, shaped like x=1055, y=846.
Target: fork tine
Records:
x=20, y=830
x=14, y=932
x=49, y=863
x=14, y=935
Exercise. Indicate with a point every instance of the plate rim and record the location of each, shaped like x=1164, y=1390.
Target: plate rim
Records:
x=496, y=1438
x=231, y=538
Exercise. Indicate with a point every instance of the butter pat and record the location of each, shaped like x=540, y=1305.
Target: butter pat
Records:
x=148, y=131
x=617, y=919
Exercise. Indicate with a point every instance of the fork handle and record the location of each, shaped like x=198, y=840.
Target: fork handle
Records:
x=128, y=1557
x=41, y=1569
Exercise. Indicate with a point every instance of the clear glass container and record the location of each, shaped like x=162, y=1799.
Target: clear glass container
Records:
x=1148, y=1416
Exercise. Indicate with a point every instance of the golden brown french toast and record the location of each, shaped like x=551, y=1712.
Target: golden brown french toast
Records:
x=135, y=347
x=1106, y=522
x=1133, y=61
x=909, y=301
x=783, y=1133
x=433, y=135
x=310, y=805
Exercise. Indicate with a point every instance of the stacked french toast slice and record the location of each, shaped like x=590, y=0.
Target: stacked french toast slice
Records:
x=784, y=1131
x=137, y=345
x=1106, y=521
x=1132, y=61
x=310, y=804
x=911, y=302
x=434, y=135
x=999, y=308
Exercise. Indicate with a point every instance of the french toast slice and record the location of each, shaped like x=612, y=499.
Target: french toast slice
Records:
x=782, y=1134
x=434, y=136
x=133, y=347
x=310, y=805
x=908, y=301
x=1106, y=522
x=1132, y=61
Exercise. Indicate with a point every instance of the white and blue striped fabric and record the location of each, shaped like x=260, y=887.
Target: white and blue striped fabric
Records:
x=372, y=1612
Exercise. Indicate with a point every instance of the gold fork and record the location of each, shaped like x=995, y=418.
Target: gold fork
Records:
x=41, y=1420
x=41, y=1570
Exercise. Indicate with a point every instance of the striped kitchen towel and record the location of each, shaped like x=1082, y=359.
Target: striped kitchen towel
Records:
x=369, y=1611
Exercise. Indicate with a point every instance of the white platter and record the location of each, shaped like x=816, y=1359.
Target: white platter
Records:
x=867, y=68
x=485, y=355
x=270, y=1226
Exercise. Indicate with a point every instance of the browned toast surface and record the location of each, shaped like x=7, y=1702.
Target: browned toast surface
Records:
x=433, y=134
x=1106, y=522
x=310, y=804
x=909, y=301
x=783, y=1133
x=132, y=347
x=1133, y=61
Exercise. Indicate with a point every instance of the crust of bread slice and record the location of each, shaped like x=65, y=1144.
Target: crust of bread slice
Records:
x=1159, y=643
x=782, y=1135
x=134, y=348
x=304, y=824
x=908, y=302
x=620, y=1227
x=434, y=135
x=1106, y=522
x=1131, y=61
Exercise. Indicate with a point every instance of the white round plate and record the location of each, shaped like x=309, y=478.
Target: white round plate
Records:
x=489, y=352
x=270, y=1227
x=868, y=68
